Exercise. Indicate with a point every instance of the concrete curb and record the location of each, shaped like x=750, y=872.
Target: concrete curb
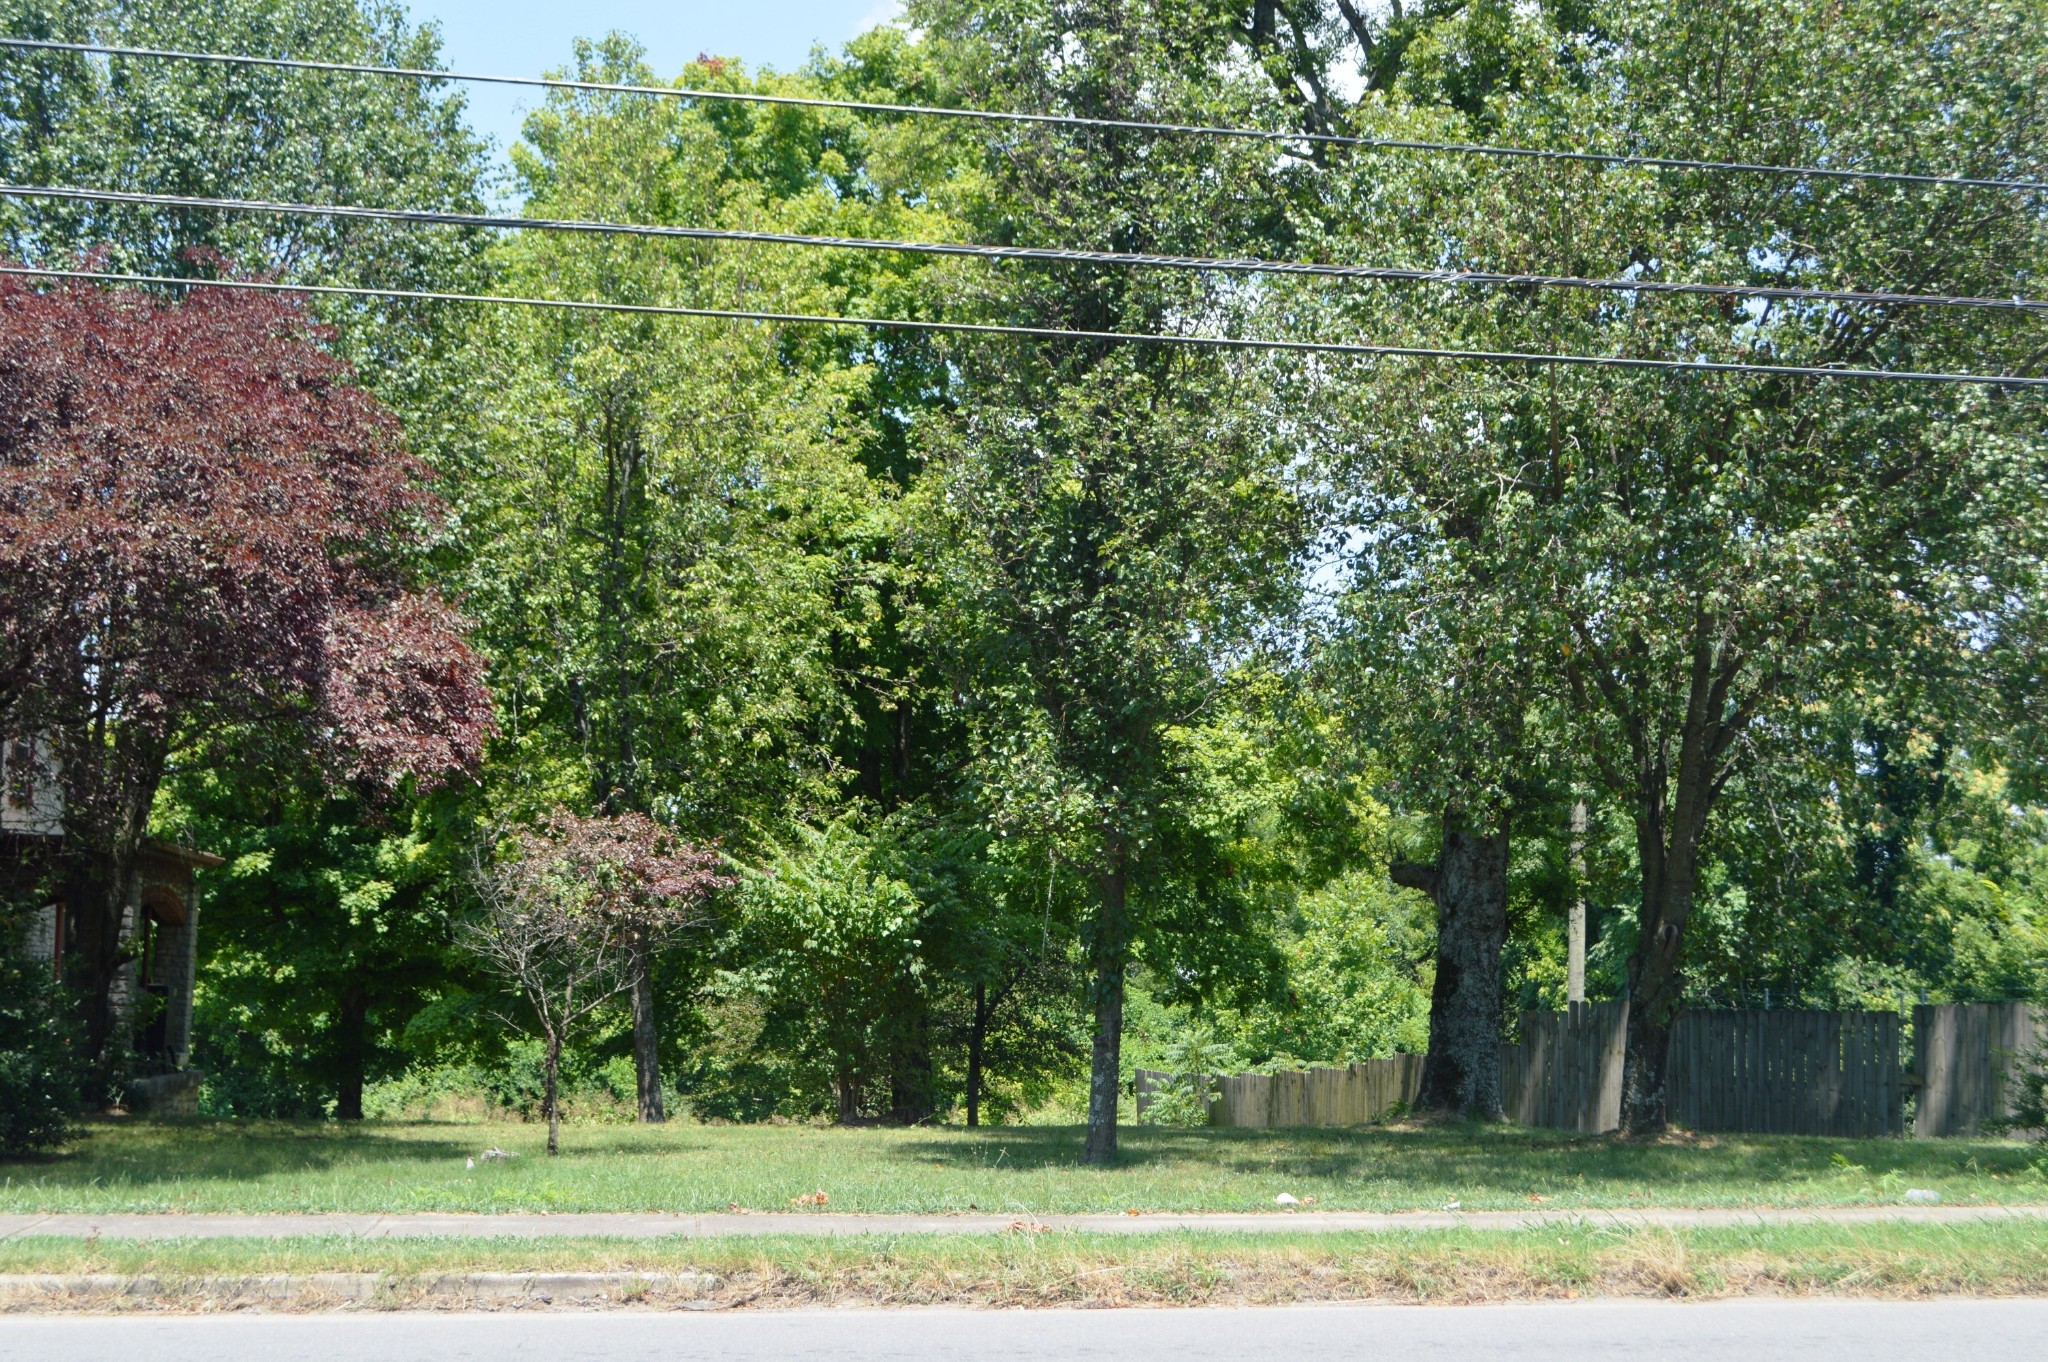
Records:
x=28, y=1290
x=657, y=1225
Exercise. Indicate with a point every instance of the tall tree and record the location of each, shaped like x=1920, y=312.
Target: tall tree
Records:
x=213, y=130
x=1119, y=514
x=206, y=527
x=662, y=536
x=1692, y=561
x=157, y=126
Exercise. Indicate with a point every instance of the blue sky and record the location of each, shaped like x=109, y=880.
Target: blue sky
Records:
x=527, y=37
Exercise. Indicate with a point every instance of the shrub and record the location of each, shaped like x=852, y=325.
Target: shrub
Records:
x=39, y=1072
x=2027, y=1093
x=1185, y=1100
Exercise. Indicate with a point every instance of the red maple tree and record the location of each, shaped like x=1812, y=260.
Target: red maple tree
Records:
x=206, y=527
x=573, y=912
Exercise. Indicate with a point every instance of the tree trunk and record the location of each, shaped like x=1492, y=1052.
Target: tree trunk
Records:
x=351, y=1047
x=1107, y=986
x=1461, y=1072
x=977, y=1040
x=646, y=1034
x=1656, y=980
x=97, y=892
x=847, y=1092
x=552, y=1092
x=1668, y=838
x=911, y=1084
x=102, y=880
x=1575, y=926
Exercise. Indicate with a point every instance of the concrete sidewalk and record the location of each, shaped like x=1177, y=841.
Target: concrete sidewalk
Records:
x=655, y=1225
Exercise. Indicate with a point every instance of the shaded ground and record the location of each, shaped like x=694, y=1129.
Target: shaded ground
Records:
x=315, y=1167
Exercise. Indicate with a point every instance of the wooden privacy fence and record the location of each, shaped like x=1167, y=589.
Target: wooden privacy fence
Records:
x=1790, y=1072
x=1357, y=1094
x=1566, y=1071
x=1783, y=1072
x=1961, y=1056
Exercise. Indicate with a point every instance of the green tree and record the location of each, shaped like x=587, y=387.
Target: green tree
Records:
x=830, y=955
x=326, y=934
x=218, y=131
x=1119, y=520
x=662, y=517
x=1693, y=562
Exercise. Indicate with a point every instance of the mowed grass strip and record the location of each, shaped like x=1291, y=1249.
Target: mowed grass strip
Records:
x=1070, y=1269
x=253, y=1167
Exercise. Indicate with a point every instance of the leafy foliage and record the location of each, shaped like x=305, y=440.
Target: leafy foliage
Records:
x=40, y=1069
x=1052, y=689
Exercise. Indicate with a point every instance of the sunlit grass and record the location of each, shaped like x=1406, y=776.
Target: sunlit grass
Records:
x=379, y=1167
x=2000, y=1258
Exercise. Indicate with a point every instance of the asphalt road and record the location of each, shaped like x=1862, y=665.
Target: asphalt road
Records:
x=1590, y=1331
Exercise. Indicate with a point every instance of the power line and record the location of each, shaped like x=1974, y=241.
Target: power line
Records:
x=1055, y=120
x=1343, y=348
x=1059, y=255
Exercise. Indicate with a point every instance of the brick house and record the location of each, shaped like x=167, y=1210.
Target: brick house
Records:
x=159, y=931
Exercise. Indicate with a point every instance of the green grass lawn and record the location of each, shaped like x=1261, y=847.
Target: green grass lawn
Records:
x=140, y=1165
x=1188, y=1268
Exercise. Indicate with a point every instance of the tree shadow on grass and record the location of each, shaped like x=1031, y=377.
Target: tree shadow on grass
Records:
x=135, y=1153
x=1503, y=1158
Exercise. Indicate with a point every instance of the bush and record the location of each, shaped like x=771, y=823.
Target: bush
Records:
x=2027, y=1094
x=1194, y=1062
x=39, y=1073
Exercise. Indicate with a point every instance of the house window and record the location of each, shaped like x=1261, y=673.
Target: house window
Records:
x=20, y=762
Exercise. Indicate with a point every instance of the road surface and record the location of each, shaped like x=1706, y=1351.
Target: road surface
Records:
x=1589, y=1331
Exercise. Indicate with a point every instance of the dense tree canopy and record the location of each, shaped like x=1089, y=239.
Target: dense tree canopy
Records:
x=1057, y=704
x=205, y=528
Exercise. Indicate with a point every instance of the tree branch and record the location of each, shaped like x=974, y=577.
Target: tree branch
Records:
x=1414, y=875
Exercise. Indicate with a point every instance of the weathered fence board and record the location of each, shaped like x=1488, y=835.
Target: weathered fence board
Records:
x=1962, y=1053
x=1786, y=1072
x=1781, y=1071
x=1356, y=1095
x=1566, y=1071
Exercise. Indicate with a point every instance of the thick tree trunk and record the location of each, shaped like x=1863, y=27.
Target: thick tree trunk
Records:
x=1461, y=1072
x=552, y=1092
x=1668, y=837
x=977, y=1040
x=1105, y=1078
x=1656, y=982
x=351, y=1048
x=646, y=1035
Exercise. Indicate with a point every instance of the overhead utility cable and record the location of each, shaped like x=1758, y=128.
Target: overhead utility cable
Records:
x=1340, y=348
x=1057, y=255
x=1057, y=120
